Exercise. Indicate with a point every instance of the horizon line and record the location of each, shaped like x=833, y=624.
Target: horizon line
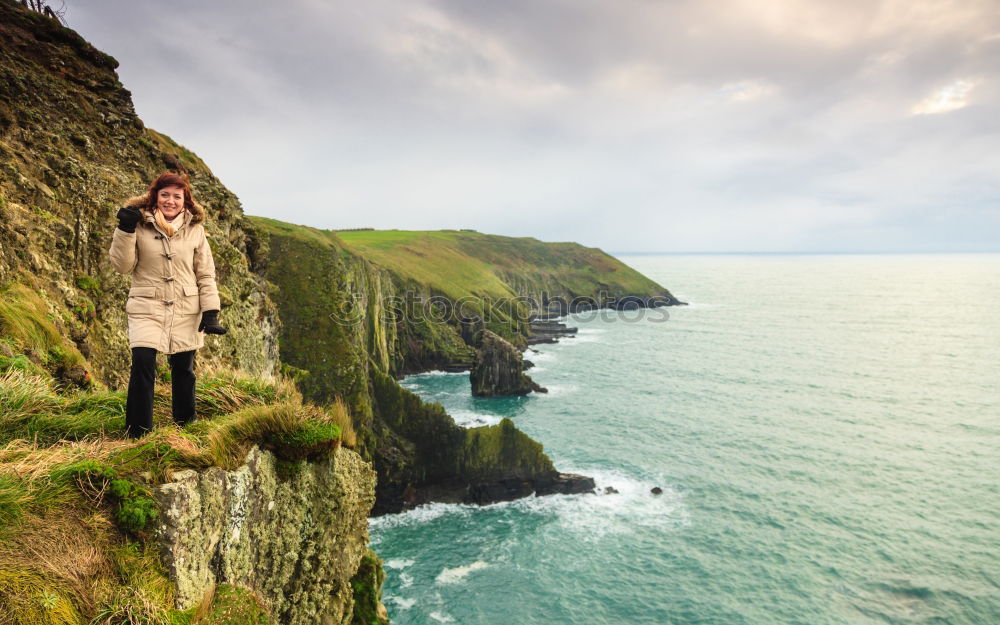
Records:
x=801, y=253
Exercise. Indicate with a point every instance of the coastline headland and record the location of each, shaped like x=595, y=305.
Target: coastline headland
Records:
x=301, y=413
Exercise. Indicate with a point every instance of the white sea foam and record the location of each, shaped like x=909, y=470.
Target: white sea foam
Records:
x=398, y=563
x=592, y=516
x=557, y=390
x=441, y=618
x=403, y=604
x=405, y=580
x=584, y=336
x=539, y=357
x=437, y=372
x=459, y=573
x=587, y=516
x=470, y=419
x=419, y=515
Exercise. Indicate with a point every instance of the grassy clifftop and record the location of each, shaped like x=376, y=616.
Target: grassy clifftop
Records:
x=80, y=518
x=461, y=262
x=346, y=333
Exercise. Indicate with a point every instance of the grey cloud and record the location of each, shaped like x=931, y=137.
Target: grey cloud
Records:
x=631, y=124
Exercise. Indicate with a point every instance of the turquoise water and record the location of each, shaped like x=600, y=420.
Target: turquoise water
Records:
x=826, y=430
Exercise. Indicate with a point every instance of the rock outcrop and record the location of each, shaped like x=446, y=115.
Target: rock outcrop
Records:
x=499, y=369
x=547, y=331
x=296, y=543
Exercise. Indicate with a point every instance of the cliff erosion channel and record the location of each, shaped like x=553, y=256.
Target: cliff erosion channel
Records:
x=256, y=512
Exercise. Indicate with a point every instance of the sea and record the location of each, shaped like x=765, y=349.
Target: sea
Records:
x=825, y=429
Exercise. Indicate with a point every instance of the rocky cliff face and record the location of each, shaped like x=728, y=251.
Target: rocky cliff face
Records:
x=72, y=149
x=499, y=369
x=348, y=330
x=295, y=542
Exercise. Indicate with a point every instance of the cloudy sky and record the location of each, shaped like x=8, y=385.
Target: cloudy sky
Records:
x=632, y=125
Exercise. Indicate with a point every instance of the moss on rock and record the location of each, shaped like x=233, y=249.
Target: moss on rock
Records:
x=366, y=586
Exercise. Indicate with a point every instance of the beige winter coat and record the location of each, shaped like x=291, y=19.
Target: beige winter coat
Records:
x=173, y=282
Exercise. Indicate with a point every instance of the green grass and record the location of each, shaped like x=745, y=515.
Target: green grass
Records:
x=31, y=408
x=20, y=362
x=503, y=450
x=25, y=327
x=134, y=508
x=24, y=319
x=40, y=464
x=233, y=605
x=435, y=259
x=99, y=481
x=278, y=427
x=28, y=598
x=324, y=238
x=482, y=275
x=461, y=263
x=89, y=284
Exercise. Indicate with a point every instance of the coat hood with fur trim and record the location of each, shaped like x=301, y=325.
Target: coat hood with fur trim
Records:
x=139, y=201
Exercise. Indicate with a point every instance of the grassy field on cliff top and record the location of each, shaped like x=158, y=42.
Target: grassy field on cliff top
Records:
x=463, y=262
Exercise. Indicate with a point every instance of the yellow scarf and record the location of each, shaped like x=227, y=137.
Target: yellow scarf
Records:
x=162, y=222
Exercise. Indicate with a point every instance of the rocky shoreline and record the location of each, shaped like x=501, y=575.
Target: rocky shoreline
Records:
x=504, y=489
x=543, y=331
x=498, y=370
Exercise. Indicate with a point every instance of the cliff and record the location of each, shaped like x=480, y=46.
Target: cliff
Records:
x=295, y=402
x=91, y=525
x=348, y=330
x=72, y=147
x=536, y=277
x=499, y=369
x=257, y=513
x=294, y=542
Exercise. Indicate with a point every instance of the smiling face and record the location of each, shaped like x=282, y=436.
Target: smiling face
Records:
x=170, y=201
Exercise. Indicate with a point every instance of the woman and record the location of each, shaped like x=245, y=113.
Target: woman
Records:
x=160, y=240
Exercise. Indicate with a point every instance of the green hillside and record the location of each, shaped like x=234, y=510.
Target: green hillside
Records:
x=461, y=262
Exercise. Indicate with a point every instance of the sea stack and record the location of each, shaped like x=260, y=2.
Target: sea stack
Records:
x=499, y=369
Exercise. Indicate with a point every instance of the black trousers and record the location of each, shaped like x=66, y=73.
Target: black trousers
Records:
x=139, y=402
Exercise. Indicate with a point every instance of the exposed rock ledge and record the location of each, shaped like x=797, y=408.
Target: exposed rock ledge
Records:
x=549, y=332
x=504, y=489
x=295, y=542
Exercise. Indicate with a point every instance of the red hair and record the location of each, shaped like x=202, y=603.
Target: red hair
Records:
x=170, y=179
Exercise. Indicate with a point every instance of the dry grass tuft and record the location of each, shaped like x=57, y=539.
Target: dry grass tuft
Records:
x=229, y=443
x=23, y=395
x=32, y=461
x=27, y=598
x=341, y=416
x=69, y=546
x=131, y=606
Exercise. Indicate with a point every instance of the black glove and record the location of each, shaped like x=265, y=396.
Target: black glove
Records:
x=128, y=217
x=210, y=323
